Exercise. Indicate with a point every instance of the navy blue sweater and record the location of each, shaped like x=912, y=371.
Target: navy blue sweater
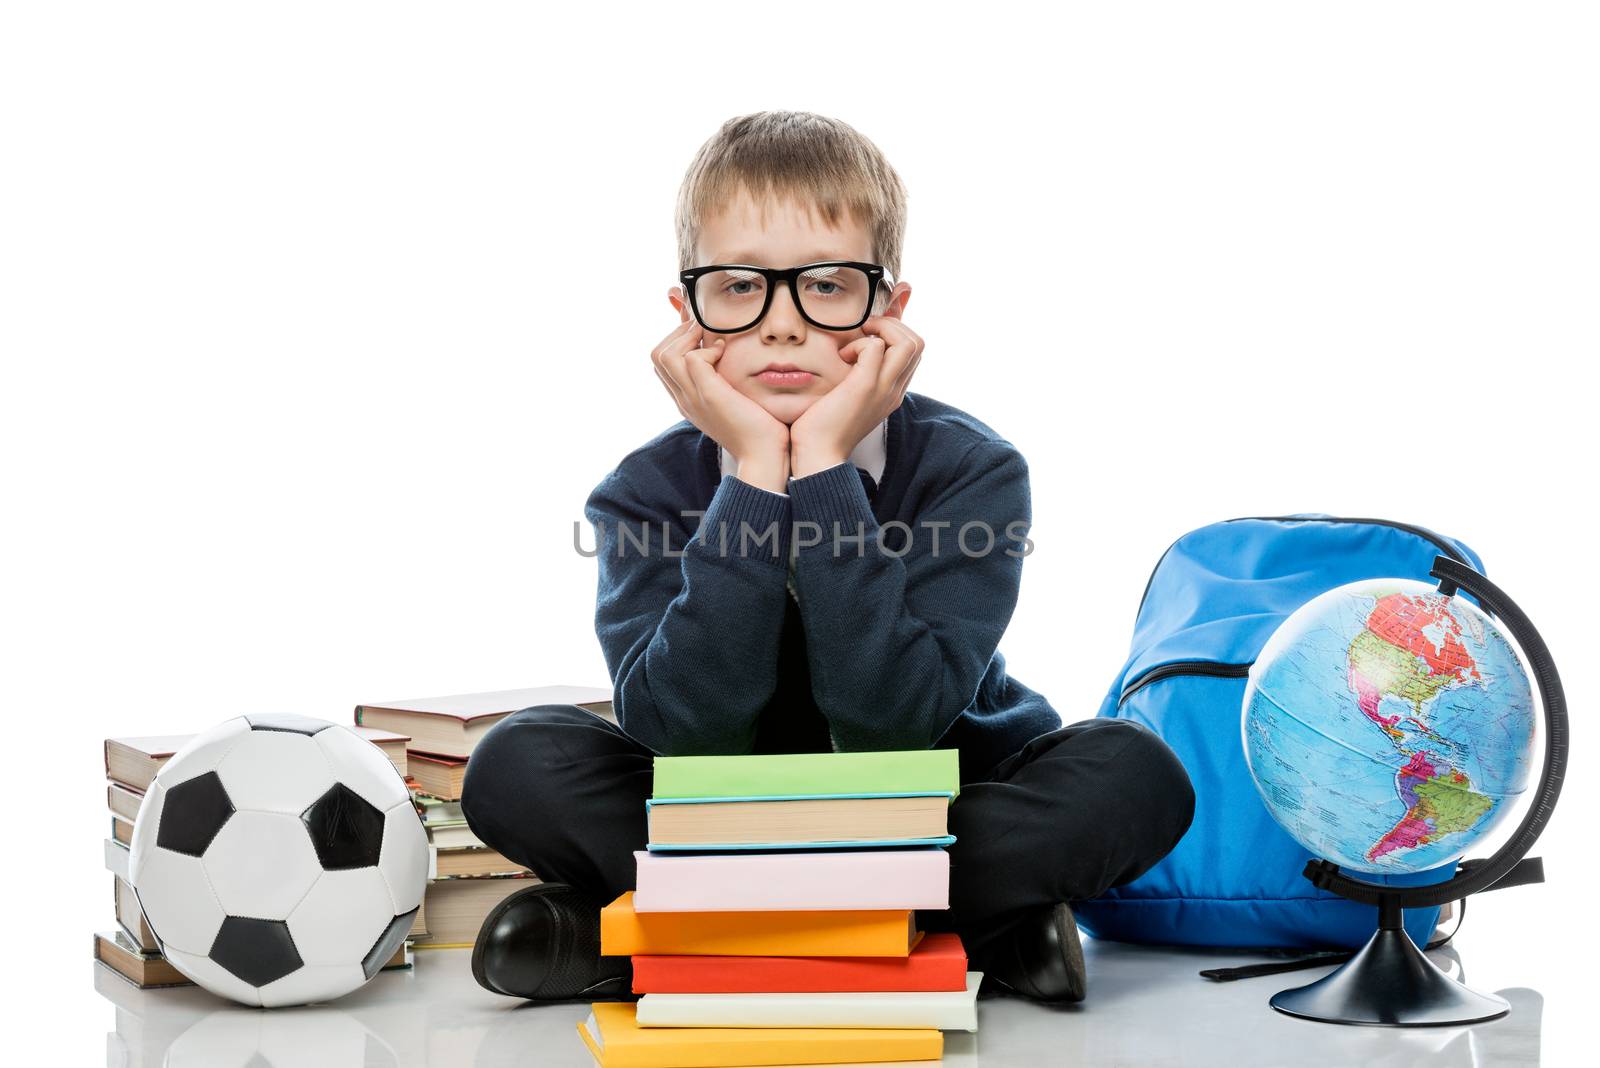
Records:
x=890, y=647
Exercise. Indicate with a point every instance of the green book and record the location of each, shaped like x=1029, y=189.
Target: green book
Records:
x=896, y=771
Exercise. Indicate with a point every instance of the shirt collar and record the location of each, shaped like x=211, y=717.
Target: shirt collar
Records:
x=869, y=454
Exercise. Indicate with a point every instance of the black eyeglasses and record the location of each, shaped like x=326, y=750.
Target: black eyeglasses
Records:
x=832, y=294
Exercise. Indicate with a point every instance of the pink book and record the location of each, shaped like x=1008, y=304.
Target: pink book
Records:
x=803, y=880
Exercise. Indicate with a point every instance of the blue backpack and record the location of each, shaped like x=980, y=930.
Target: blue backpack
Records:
x=1214, y=599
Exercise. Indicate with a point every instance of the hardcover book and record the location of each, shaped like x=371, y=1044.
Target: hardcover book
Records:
x=457, y=835
x=752, y=882
x=452, y=726
x=896, y=771
x=133, y=761
x=142, y=968
x=440, y=777
x=459, y=863
x=802, y=821
x=936, y=962
x=946, y=1010
x=456, y=907
x=615, y=1038
x=123, y=801
x=130, y=917
x=834, y=933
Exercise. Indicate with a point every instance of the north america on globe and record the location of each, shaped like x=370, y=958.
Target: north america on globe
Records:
x=1387, y=726
x=1411, y=648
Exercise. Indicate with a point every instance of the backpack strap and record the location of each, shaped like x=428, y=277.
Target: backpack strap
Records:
x=1524, y=872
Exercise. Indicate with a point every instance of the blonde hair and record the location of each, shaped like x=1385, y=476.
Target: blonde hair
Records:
x=810, y=158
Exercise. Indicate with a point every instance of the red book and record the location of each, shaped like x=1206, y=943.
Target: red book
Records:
x=938, y=962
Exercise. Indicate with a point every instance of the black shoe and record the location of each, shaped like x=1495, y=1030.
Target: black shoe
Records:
x=543, y=943
x=1040, y=957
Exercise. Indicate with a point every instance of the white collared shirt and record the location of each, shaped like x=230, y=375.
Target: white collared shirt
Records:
x=869, y=454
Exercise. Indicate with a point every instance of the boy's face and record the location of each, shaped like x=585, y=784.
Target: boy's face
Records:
x=790, y=236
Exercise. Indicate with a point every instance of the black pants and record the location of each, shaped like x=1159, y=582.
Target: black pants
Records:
x=1077, y=810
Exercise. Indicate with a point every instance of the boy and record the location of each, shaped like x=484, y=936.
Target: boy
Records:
x=856, y=563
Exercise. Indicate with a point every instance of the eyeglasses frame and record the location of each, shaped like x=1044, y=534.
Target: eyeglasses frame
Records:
x=875, y=272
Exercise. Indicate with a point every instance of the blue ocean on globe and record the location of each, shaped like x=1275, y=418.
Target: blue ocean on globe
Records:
x=1388, y=727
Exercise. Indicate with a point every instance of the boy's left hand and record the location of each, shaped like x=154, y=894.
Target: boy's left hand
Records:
x=883, y=363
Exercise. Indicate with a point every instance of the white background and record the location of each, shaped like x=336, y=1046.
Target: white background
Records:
x=320, y=321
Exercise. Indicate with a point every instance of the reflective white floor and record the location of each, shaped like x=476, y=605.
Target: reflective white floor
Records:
x=1146, y=1007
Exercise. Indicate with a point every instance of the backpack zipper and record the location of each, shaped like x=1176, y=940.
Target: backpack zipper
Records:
x=1438, y=540
x=1210, y=668
x=1213, y=669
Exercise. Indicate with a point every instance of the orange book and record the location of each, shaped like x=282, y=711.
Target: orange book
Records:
x=811, y=933
x=616, y=1040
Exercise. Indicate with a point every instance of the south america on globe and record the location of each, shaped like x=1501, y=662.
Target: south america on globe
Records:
x=1388, y=727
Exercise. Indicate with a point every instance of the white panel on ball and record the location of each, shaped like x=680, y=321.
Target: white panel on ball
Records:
x=341, y=917
x=214, y=977
x=276, y=771
x=177, y=901
x=404, y=860
x=204, y=752
x=314, y=982
x=262, y=864
x=145, y=824
x=362, y=766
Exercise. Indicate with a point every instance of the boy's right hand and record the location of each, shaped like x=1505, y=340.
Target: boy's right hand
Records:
x=755, y=437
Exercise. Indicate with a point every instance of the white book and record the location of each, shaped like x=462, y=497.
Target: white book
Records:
x=453, y=836
x=947, y=1010
x=117, y=859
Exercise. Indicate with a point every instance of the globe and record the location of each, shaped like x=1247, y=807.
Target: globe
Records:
x=1387, y=726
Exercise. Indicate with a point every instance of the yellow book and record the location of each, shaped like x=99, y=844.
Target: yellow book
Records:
x=613, y=1035
x=809, y=933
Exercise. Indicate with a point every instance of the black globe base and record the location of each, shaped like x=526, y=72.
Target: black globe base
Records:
x=1389, y=983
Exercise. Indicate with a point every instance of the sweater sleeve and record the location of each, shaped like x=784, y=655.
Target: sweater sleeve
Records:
x=898, y=643
x=690, y=633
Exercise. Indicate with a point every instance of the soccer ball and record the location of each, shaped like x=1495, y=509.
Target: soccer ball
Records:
x=278, y=860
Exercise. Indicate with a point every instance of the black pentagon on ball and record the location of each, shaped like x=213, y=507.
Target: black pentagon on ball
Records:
x=192, y=814
x=288, y=722
x=345, y=828
x=257, y=951
x=387, y=943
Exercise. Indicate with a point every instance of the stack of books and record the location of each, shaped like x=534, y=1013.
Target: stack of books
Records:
x=429, y=741
x=466, y=879
x=773, y=918
x=129, y=948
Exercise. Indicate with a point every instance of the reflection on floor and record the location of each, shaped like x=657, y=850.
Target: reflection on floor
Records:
x=1146, y=1007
